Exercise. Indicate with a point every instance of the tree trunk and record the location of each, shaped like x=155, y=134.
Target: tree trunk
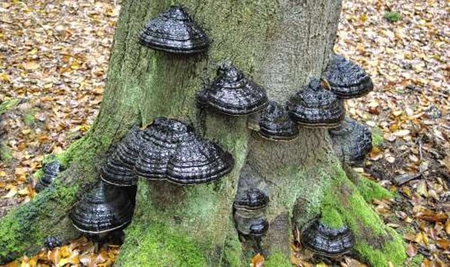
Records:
x=281, y=45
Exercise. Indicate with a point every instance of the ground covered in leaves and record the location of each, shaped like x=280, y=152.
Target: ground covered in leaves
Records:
x=53, y=59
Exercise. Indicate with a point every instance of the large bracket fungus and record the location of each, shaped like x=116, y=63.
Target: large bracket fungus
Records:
x=104, y=209
x=116, y=173
x=174, y=31
x=275, y=123
x=347, y=79
x=316, y=107
x=325, y=241
x=352, y=141
x=233, y=94
x=173, y=152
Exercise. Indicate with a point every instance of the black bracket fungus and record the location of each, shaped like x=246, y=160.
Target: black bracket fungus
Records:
x=316, y=107
x=347, y=79
x=174, y=152
x=174, y=31
x=352, y=141
x=116, y=173
x=104, y=209
x=251, y=199
x=233, y=94
x=325, y=241
x=50, y=171
x=275, y=123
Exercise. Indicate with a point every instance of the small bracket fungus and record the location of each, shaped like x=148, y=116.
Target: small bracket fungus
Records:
x=347, y=79
x=172, y=151
x=231, y=93
x=251, y=199
x=129, y=148
x=104, y=209
x=316, y=107
x=50, y=171
x=174, y=31
x=326, y=241
x=352, y=141
x=275, y=123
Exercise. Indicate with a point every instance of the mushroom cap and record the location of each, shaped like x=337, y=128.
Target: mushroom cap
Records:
x=251, y=199
x=129, y=148
x=326, y=241
x=352, y=141
x=102, y=210
x=347, y=79
x=174, y=31
x=50, y=171
x=198, y=161
x=116, y=173
x=275, y=123
x=316, y=107
x=259, y=227
x=232, y=93
x=251, y=222
x=172, y=151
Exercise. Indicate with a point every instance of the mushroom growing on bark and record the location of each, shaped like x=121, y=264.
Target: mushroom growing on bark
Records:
x=173, y=152
x=346, y=78
x=275, y=123
x=325, y=241
x=104, y=209
x=352, y=141
x=233, y=94
x=174, y=31
x=116, y=173
x=316, y=107
x=50, y=171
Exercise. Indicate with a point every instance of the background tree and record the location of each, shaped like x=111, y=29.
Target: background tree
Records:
x=281, y=45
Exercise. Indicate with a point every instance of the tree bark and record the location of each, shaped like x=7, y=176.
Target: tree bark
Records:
x=281, y=45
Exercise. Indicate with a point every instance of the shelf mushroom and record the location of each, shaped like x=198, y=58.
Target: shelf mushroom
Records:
x=316, y=107
x=128, y=149
x=275, y=123
x=233, y=94
x=174, y=152
x=352, y=141
x=174, y=31
x=325, y=241
x=104, y=209
x=346, y=78
x=251, y=199
x=50, y=171
x=115, y=172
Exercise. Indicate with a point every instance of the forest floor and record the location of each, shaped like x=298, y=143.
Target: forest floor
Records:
x=53, y=62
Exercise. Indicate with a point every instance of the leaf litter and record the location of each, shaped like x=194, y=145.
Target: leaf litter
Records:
x=53, y=60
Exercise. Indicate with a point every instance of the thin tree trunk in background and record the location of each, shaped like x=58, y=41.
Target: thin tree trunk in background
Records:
x=281, y=45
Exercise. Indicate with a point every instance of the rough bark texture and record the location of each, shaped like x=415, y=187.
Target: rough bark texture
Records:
x=281, y=45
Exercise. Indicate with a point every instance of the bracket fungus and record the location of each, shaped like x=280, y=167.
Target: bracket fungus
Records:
x=50, y=171
x=116, y=173
x=129, y=148
x=316, y=107
x=174, y=31
x=174, y=152
x=104, y=209
x=328, y=242
x=251, y=199
x=233, y=94
x=346, y=78
x=352, y=141
x=275, y=123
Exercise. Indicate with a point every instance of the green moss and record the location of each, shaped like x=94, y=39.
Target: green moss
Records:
x=377, y=137
x=5, y=153
x=392, y=251
x=416, y=261
x=331, y=217
x=28, y=118
x=8, y=104
x=232, y=255
x=277, y=259
x=392, y=16
x=371, y=190
x=162, y=247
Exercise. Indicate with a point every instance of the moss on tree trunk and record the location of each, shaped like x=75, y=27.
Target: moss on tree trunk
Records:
x=281, y=45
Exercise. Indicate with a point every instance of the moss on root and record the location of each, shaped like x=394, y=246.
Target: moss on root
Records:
x=162, y=246
x=375, y=243
x=371, y=190
x=277, y=259
x=377, y=137
x=331, y=218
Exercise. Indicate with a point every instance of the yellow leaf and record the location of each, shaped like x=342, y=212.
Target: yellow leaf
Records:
x=23, y=192
x=4, y=77
x=12, y=192
x=31, y=65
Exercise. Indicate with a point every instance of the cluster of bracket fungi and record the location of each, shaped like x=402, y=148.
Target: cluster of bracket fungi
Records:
x=170, y=150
